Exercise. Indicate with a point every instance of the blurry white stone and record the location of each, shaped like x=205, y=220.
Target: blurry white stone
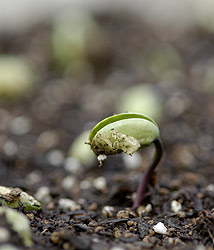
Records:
x=68, y=204
x=47, y=139
x=108, y=209
x=132, y=162
x=20, y=125
x=72, y=165
x=4, y=234
x=33, y=177
x=175, y=206
x=160, y=228
x=100, y=183
x=10, y=148
x=117, y=248
x=210, y=188
x=148, y=208
x=55, y=157
x=68, y=182
x=43, y=194
x=85, y=184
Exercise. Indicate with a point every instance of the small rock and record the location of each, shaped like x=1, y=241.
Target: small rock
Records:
x=117, y=232
x=68, y=204
x=55, y=237
x=122, y=214
x=72, y=165
x=55, y=157
x=100, y=183
x=10, y=148
x=68, y=182
x=20, y=125
x=160, y=228
x=175, y=206
x=43, y=194
x=108, y=211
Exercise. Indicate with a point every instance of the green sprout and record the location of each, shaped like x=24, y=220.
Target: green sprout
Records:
x=127, y=132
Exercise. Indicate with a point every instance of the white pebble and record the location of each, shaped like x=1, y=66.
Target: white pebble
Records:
x=160, y=228
x=68, y=182
x=210, y=188
x=68, y=204
x=55, y=157
x=10, y=148
x=20, y=125
x=148, y=208
x=117, y=248
x=100, y=183
x=108, y=209
x=85, y=184
x=72, y=165
x=43, y=194
x=175, y=206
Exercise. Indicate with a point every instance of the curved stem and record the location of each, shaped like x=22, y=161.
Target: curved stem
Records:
x=149, y=171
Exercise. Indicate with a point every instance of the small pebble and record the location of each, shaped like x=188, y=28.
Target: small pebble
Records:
x=117, y=248
x=20, y=125
x=43, y=194
x=100, y=183
x=85, y=184
x=175, y=206
x=72, y=165
x=55, y=157
x=55, y=237
x=10, y=148
x=68, y=204
x=160, y=228
x=68, y=182
x=108, y=211
x=123, y=214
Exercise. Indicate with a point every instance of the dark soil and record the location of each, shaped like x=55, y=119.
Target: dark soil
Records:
x=66, y=104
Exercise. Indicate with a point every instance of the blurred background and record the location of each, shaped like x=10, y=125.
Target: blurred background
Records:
x=65, y=65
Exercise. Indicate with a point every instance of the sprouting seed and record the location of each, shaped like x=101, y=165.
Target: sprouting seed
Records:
x=127, y=132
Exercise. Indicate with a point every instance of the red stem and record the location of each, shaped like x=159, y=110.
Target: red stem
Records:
x=148, y=174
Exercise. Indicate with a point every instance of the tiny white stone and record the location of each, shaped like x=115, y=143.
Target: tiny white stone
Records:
x=108, y=209
x=148, y=208
x=175, y=206
x=85, y=184
x=43, y=194
x=68, y=204
x=117, y=248
x=55, y=157
x=10, y=148
x=20, y=125
x=160, y=228
x=68, y=182
x=100, y=183
x=210, y=188
x=72, y=165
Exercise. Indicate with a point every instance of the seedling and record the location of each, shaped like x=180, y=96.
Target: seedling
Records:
x=127, y=132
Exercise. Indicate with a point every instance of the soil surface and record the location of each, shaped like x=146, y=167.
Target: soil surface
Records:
x=63, y=105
